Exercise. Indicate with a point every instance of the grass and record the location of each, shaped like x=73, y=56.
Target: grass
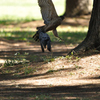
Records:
x=68, y=37
x=17, y=59
x=17, y=35
x=19, y=65
x=24, y=10
x=16, y=11
x=43, y=97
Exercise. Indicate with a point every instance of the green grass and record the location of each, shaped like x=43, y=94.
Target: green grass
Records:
x=23, y=10
x=18, y=11
x=68, y=37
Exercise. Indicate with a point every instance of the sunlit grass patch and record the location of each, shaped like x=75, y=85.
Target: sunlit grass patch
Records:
x=19, y=9
x=72, y=28
x=17, y=35
x=73, y=37
x=7, y=20
x=23, y=10
x=16, y=59
x=70, y=37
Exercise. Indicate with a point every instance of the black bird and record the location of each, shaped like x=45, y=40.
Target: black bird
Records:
x=44, y=41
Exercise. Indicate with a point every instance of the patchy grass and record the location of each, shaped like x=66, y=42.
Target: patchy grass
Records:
x=19, y=65
x=68, y=37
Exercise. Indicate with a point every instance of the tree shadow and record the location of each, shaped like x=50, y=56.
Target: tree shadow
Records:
x=15, y=22
x=47, y=74
x=78, y=92
x=91, y=78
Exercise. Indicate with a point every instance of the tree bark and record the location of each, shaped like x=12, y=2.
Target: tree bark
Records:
x=92, y=39
x=78, y=7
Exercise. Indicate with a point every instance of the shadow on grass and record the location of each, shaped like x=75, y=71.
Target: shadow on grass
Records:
x=15, y=22
x=68, y=37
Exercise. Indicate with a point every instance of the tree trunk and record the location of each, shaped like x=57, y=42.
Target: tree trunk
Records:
x=92, y=39
x=78, y=7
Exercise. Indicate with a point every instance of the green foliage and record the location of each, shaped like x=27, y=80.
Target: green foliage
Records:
x=28, y=70
x=47, y=58
x=78, y=67
x=19, y=65
x=9, y=63
x=17, y=59
x=72, y=57
x=51, y=71
x=44, y=97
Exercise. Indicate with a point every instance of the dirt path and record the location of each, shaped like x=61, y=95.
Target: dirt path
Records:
x=63, y=78
x=71, y=79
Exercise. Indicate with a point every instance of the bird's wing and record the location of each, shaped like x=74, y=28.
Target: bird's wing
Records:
x=50, y=17
x=48, y=10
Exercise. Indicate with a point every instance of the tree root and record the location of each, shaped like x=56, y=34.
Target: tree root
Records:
x=82, y=47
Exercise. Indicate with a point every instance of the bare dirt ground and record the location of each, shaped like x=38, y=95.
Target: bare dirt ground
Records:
x=64, y=78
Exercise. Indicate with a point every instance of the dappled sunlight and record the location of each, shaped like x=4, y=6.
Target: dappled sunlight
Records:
x=2, y=61
x=72, y=29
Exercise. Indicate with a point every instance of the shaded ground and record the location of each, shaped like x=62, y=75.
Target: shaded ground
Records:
x=45, y=76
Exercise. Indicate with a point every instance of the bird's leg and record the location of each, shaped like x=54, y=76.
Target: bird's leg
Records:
x=49, y=45
x=56, y=34
x=42, y=47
